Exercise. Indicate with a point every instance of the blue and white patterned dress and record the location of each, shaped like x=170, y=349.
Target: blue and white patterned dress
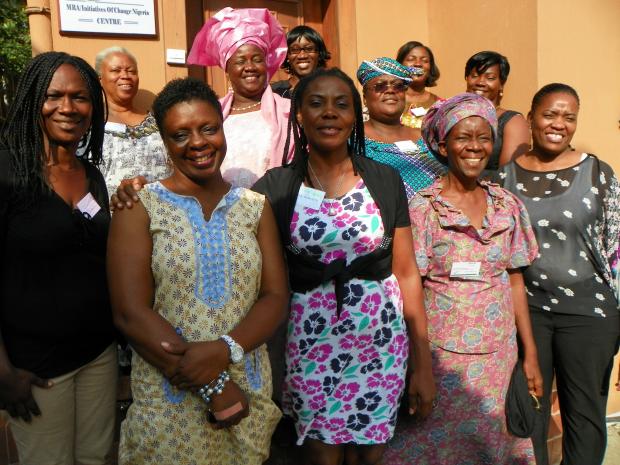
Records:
x=345, y=374
x=206, y=278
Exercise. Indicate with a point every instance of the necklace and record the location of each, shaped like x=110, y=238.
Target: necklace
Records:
x=254, y=105
x=331, y=210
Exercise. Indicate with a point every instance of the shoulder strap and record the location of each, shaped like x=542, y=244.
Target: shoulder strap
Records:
x=506, y=116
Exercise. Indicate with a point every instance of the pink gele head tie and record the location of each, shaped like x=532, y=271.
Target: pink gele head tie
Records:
x=229, y=29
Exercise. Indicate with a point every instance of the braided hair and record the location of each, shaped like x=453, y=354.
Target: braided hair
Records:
x=22, y=133
x=356, y=143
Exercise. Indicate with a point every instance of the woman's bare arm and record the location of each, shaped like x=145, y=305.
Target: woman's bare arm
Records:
x=524, y=329
x=422, y=390
x=516, y=139
x=130, y=282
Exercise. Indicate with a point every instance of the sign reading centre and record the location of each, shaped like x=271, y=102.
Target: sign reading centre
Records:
x=126, y=17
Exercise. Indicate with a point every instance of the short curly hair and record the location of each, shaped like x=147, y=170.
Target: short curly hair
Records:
x=183, y=90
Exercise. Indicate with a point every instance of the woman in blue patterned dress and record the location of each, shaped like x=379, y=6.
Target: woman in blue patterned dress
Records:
x=384, y=82
x=197, y=284
x=357, y=299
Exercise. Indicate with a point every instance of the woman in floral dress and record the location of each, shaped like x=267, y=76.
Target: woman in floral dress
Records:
x=471, y=238
x=357, y=314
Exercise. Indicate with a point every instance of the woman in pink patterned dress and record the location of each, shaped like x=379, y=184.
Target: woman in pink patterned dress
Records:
x=471, y=237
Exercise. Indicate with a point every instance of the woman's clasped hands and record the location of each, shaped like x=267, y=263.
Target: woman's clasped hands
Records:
x=201, y=363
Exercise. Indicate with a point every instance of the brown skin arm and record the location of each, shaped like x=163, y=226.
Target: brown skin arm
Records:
x=203, y=361
x=524, y=330
x=516, y=139
x=422, y=390
x=130, y=283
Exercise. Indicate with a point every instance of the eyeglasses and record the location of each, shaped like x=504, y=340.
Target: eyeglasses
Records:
x=309, y=49
x=381, y=87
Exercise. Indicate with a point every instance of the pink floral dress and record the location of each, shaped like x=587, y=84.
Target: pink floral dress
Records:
x=471, y=328
x=345, y=374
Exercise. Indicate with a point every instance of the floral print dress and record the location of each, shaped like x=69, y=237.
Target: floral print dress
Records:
x=345, y=373
x=471, y=327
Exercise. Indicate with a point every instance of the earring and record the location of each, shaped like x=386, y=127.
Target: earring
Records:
x=501, y=93
x=229, y=85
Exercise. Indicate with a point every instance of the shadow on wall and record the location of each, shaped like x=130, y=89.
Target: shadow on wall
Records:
x=144, y=99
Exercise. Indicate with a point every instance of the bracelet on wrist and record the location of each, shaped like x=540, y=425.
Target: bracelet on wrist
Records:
x=214, y=387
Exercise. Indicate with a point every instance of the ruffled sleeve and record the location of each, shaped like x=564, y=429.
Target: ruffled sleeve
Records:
x=523, y=245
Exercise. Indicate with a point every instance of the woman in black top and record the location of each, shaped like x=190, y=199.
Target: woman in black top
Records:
x=57, y=360
x=573, y=201
x=486, y=74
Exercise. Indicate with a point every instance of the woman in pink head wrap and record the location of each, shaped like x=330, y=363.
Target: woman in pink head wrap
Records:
x=250, y=45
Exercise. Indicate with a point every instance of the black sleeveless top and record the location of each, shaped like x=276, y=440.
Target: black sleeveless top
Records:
x=493, y=164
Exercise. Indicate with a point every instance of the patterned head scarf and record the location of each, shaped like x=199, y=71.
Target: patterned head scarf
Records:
x=229, y=29
x=442, y=117
x=380, y=67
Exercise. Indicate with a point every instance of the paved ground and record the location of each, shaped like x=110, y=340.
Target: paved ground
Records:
x=612, y=457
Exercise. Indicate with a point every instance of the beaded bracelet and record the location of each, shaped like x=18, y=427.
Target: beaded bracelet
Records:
x=214, y=387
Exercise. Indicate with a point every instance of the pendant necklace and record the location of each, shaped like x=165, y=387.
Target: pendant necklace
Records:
x=331, y=210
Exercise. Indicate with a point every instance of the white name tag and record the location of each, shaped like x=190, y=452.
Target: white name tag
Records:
x=465, y=270
x=406, y=146
x=88, y=205
x=419, y=111
x=310, y=198
x=115, y=127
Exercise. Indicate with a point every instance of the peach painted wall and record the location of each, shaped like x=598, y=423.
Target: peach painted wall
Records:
x=383, y=26
x=459, y=29
x=579, y=44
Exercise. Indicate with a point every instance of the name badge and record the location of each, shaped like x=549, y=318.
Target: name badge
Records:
x=406, y=146
x=310, y=198
x=419, y=111
x=465, y=270
x=115, y=127
x=88, y=205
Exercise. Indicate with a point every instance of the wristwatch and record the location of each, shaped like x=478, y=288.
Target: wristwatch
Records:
x=236, y=351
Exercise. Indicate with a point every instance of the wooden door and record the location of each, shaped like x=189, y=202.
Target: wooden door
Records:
x=289, y=13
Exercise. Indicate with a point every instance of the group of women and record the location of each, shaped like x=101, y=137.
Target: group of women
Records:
x=421, y=292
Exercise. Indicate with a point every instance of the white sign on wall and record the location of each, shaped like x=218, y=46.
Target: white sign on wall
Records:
x=126, y=17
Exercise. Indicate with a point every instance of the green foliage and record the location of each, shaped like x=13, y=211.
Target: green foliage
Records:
x=15, y=48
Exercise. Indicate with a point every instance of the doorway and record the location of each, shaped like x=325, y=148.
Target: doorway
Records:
x=290, y=13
